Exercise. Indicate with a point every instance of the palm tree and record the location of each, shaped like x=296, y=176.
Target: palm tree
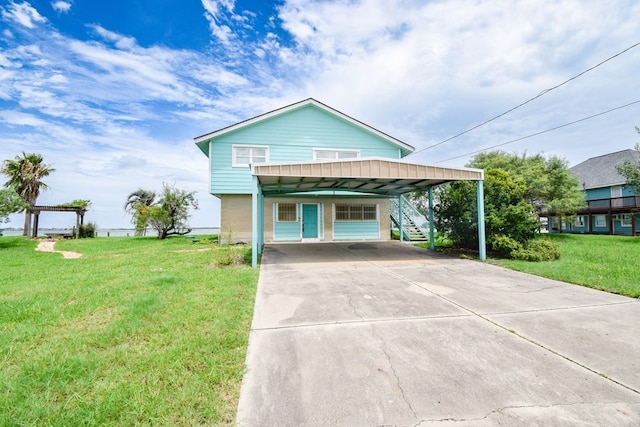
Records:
x=137, y=202
x=25, y=177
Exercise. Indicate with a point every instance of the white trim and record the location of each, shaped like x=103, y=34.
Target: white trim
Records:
x=295, y=106
x=234, y=147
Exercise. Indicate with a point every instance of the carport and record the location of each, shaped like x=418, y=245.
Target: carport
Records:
x=382, y=177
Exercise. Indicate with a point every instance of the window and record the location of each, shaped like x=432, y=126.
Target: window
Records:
x=579, y=221
x=359, y=212
x=626, y=220
x=245, y=155
x=287, y=212
x=601, y=220
x=331, y=154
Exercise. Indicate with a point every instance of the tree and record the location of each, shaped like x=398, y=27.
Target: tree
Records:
x=631, y=171
x=137, y=204
x=25, y=177
x=169, y=215
x=549, y=183
x=517, y=188
x=507, y=214
x=10, y=202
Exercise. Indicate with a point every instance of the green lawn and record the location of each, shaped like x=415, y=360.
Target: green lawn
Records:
x=137, y=331
x=610, y=263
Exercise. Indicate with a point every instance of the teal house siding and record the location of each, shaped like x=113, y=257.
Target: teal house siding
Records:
x=599, y=229
x=598, y=193
x=284, y=231
x=356, y=230
x=291, y=137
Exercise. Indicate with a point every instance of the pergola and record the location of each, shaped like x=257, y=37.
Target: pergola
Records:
x=384, y=177
x=35, y=210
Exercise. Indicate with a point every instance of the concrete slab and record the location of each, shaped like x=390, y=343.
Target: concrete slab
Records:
x=387, y=334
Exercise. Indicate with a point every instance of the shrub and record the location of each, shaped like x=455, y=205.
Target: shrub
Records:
x=86, y=230
x=505, y=245
x=537, y=250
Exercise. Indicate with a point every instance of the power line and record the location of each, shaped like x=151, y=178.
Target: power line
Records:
x=541, y=132
x=529, y=100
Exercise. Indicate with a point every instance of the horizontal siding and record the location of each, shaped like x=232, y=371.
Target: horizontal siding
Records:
x=598, y=193
x=356, y=230
x=286, y=231
x=291, y=138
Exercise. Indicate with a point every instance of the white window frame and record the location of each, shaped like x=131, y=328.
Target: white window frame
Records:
x=234, y=155
x=598, y=218
x=377, y=218
x=337, y=152
x=297, y=212
x=579, y=220
x=625, y=220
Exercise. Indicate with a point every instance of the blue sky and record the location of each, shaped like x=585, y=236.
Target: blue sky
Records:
x=113, y=93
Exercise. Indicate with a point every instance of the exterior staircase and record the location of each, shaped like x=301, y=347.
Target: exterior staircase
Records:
x=415, y=227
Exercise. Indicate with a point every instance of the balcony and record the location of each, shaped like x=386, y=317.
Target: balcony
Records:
x=616, y=203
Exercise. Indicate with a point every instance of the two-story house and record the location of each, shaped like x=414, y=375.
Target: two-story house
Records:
x=307, y=172
x=611, y=207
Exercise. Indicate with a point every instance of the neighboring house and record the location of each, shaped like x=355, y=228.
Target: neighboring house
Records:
x=611, y=207
x=307, y=172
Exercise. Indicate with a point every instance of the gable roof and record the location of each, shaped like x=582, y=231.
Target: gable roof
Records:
x=601, y=171
x=202, y=140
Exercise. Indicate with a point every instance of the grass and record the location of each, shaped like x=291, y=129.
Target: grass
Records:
x=137, y=331
x=609, y=263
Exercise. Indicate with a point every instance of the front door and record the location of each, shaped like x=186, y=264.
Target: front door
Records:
x=309, y=221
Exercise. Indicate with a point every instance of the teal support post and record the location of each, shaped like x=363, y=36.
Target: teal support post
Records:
x=255, y=243
x=432, y=237
x=260, y=220
x=400, y=220
x=482, y=247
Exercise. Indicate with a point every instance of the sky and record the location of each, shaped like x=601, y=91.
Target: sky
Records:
x=112, y=93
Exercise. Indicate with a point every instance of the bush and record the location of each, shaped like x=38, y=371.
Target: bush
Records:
x=505, y=245
x=86, y=230
x=537, y=250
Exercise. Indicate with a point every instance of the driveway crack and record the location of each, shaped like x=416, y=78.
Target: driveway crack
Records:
x=394, y=372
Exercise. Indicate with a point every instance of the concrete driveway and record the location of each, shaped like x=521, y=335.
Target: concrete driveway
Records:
x=386, y=334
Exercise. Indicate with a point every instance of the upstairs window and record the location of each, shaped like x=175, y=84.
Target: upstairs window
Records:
x=330, y=154
x=245, y=155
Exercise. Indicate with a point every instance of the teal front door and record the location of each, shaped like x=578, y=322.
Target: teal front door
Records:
x=309, y=221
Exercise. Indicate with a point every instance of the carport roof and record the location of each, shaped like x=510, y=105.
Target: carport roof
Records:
x=374, y=176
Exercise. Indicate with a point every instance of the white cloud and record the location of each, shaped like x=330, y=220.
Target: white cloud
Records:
x=420, y=71
x=23, y=13
x=216, y=18
x=61, y=6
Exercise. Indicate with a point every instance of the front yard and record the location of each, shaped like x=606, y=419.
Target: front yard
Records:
x=138, y=331
x=609, y=263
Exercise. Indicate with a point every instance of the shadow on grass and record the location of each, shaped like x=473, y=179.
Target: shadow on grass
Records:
x=11, y=242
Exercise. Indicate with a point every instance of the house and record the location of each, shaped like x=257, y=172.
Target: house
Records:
x=307, y=173
x=611, y=207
